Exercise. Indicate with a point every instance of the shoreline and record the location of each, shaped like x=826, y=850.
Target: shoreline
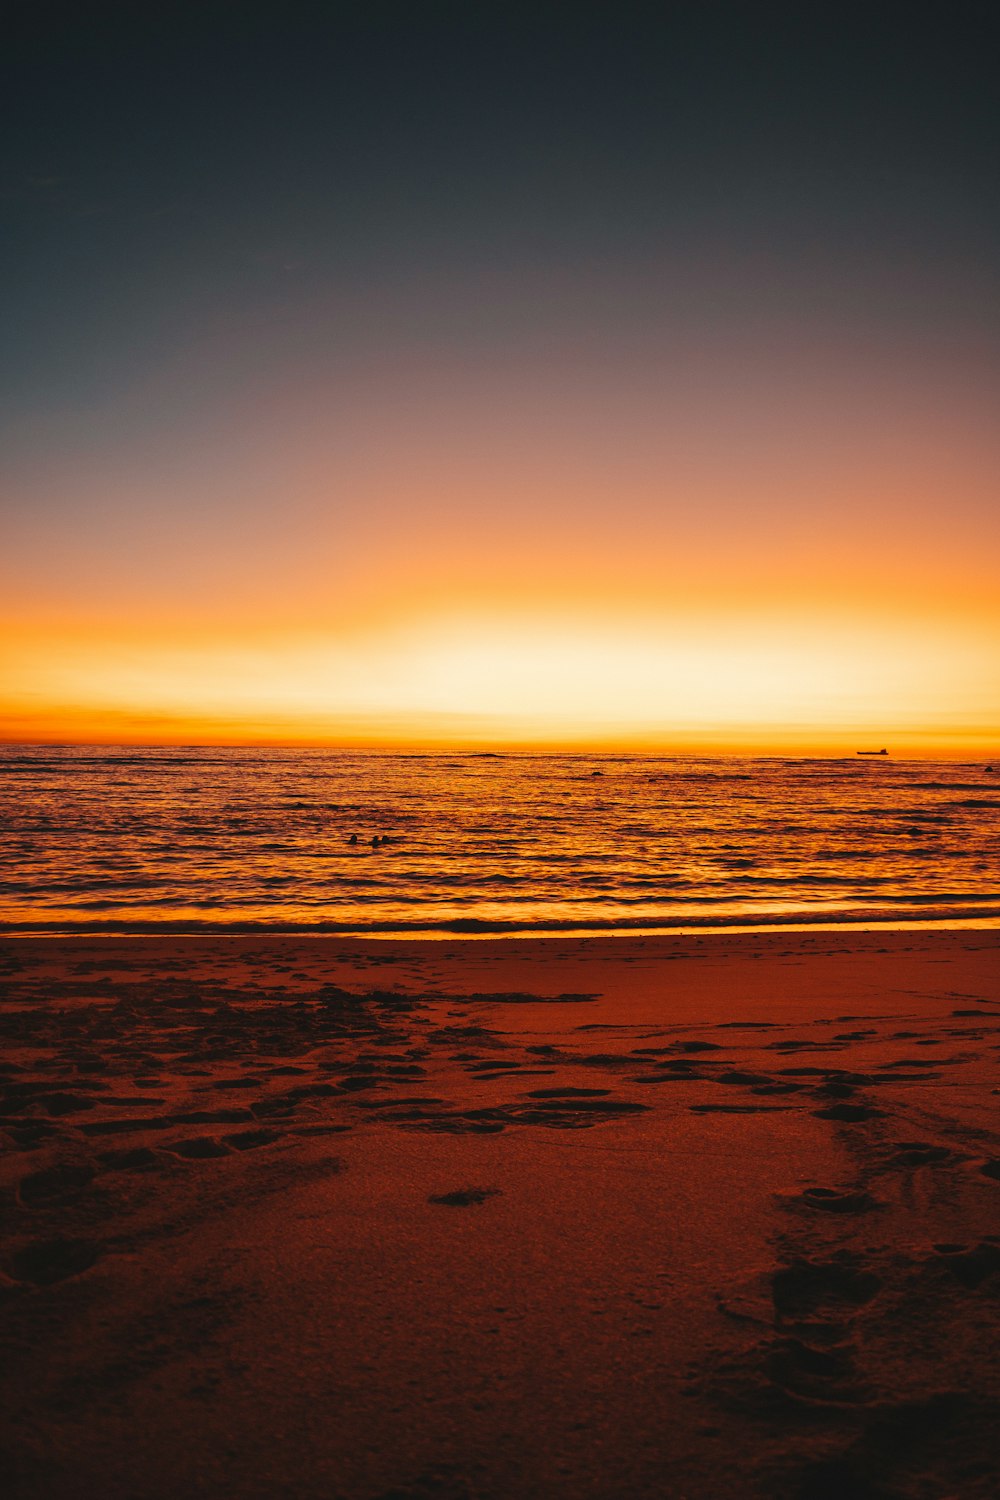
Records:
x=475, y=932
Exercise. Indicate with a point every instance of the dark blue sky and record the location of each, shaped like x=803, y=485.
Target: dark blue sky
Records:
x=167, y=165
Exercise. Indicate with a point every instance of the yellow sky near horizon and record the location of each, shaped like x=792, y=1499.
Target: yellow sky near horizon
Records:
x=783, y=681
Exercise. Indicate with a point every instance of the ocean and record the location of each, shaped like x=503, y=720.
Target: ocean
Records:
x=207, y=838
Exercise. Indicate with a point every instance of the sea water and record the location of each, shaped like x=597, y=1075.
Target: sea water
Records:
x=183, y=838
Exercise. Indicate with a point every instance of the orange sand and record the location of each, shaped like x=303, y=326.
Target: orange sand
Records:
x=705, y=1217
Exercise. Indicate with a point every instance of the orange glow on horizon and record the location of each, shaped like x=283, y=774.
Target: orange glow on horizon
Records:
x=780, y=681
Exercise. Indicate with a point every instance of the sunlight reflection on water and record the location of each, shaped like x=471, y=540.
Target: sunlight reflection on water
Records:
x=489, y=843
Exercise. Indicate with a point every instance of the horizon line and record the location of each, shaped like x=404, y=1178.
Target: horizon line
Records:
x=502, y=750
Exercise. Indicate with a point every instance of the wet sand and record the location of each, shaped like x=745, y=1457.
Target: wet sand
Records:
x=705, y=1217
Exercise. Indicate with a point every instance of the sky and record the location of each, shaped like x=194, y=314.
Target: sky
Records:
x=551, y=375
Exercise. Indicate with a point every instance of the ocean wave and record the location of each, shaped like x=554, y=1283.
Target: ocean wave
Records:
x=73, y=762
x=484, y=926
x=955, y=786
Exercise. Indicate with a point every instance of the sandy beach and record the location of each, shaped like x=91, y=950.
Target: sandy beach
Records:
x=696, y=1216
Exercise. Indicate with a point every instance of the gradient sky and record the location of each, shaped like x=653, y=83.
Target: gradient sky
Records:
x=459, y=374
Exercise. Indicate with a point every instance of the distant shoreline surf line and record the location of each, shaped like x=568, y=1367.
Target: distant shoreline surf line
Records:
x=474, y=931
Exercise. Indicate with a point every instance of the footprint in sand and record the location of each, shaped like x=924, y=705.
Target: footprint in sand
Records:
x=213, y=1117
x=452, y=1125
x=671, y=1077
x=899, y=1439
x=250, y=1140
x=49, y=1261
x=920, y=1154
x=737, y=1109
x=848, y=1113
x=440, y=1482
x=62, y=1104
x=571, y=1113
x=138, y=1159
x=464, y=1197
x=28, y=1134
x=836, y=1201
x=737, y=1076
x=835, y=1090
x=522, y=1073
x=568, y=1093
x=198, y=1148
x=971, y=1265
x=280, y=1107
x=54, y=1184
x=561, y=1112
x=121, y=1127
x=804, y=1286
x=820, y=1375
